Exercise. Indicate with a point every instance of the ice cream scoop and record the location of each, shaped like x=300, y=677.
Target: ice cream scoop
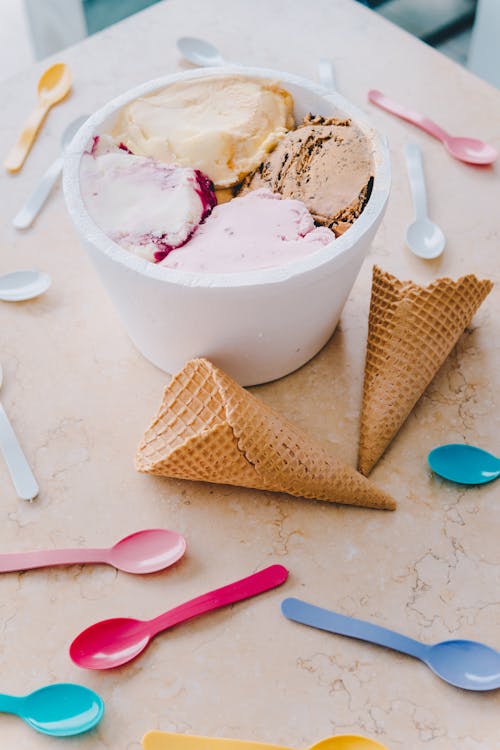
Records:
x=469, y=150
x=147, y=207
x=327, y=164
x=223, y=125
x=464, y=464
x=111, y=643
x=423, y=237
x=145, y=551
x=53, y=86
x=19, y=286
x=60, y=710
x=465, y=664
x=258, y=230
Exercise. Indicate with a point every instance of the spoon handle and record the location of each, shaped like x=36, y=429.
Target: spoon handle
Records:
x=422, y=122
x=417, y=180
x=10, y=704
x=255, y=584
x=20, y=150
x=333, y=622
x=22, y=477
x=327, y=74
x=15, y=561
x=28, y=213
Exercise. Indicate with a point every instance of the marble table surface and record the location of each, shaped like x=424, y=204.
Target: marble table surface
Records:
x=80, y=396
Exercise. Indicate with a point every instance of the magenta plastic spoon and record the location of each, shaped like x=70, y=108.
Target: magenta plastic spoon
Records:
x=469, y=150
x=144, y=551
x=111, y=643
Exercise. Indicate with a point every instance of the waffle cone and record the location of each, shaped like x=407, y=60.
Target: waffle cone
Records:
x=411, y=331
x=210, y=429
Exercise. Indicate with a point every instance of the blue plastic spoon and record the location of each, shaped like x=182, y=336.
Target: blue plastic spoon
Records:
x=60, y=710
x=464, y=664
x=465, y=464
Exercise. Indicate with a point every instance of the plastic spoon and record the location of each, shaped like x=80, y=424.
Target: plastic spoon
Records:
x=199, y=52
x=424, y=238
x=22, y=477
x=464, y=664
x=110, y=643
x=145, y=551
x=327, y=74
x=28, y=213
x=61, y=710
x=157, y=740
x=465, y=464
x=19, y=286
x=469, y=150
x=53, y=86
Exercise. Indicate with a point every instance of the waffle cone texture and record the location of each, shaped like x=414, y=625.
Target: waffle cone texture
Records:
x=411, y=331
x=210, y=429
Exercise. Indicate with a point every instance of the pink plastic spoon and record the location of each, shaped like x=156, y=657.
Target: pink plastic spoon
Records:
x=111, y=643
x=144, y=551
x=469, y=150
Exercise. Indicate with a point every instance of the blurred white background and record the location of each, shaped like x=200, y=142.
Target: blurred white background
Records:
x=468, y=31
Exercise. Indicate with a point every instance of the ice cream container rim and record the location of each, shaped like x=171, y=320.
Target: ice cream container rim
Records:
x=339, y=247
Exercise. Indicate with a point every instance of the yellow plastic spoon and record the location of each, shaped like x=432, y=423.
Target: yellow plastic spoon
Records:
x=53, y=86
x=156, y=740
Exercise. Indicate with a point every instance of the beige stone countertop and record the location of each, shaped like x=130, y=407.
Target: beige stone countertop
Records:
x=80, y=396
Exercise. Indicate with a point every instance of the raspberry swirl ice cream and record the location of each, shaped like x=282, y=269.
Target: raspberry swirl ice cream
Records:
x=147, y=207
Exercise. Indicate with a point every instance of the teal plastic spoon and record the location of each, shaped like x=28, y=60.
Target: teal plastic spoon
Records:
x=464, y=464
x=59, y=710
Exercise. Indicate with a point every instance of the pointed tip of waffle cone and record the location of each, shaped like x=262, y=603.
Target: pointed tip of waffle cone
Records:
x=411, y=331
x=210, y=429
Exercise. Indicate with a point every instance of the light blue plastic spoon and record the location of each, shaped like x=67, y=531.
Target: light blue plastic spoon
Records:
x=464, y=464
x=464, y=664
x=59, y=710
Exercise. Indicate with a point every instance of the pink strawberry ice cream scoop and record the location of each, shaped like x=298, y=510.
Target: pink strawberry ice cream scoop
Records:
x=148, y=207
x=259, y=230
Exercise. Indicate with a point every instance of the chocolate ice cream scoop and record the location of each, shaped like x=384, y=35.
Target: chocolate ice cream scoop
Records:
x=327, y=164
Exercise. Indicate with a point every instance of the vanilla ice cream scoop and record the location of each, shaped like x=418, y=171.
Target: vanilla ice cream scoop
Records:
x=224, y=126
x=147, y=207
x=258, y=230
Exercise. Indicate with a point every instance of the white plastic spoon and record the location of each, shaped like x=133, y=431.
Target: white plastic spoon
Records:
x=199, y=52
x=424, y=238
x=28, y=213
x=327, y=74
x=20, y=472
x=19, y=286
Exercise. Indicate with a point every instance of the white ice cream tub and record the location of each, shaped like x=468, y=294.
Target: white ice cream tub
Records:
x=256, y=325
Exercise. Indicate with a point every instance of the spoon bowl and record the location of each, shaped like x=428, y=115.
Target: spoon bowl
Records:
x=147, y=551
x=19, y=286
x=465, y=664
x=348, y=742
x=470, y=150
x=199, y=52
x=59, y=710
x=425, y=239
x=465, y=464
x=110, y=643
x=54, y=84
